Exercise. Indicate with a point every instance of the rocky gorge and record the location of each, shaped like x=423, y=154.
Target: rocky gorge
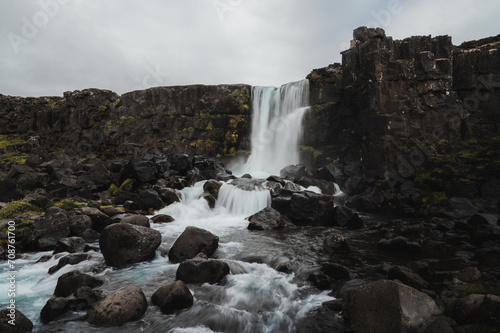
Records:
x=391, y=223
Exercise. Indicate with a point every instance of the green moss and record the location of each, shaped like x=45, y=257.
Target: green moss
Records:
x=7, y=140
x=479, y=287
x=209, y=127
x=68, y=204
x=113, y=189
x=435, y=198
x=310, y=149
x=243, y=96
x=14, y=157
x=18, y=207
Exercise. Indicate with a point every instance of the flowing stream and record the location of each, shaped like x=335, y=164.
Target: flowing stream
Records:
x=255, y=297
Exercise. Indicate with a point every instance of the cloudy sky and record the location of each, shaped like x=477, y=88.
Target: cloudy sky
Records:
x=51, y=46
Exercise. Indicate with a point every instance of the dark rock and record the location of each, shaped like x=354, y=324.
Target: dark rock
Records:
x=172, y=297
x=177, y=182
x=99, y=219
x=400, y=244
x=321, y=280
x=124, y=244
x=168, y=195
x=79, y=223
x=162, y=218
x=124, y=305
x=354, y=185
x=336, y=271
x=210, y=199
x=46, y=232
x=111, y=211
x=295, y=171
x=130, y=206
x=335, y=243
x=139, y=220
x=441, y=324
x=268, y=219
x=93, y=204
x=90, y=235
x=404, y=308
x=68, y=283
x=468, y=275
x=142, y=171
x=491, y=190
x=407, y=276
x=191, y=242
x=70, y=244
x=182, y=163
x=22, y=323
x=70, y=259
x=123, y=196
x=331, y=172
x=466, y=309
x=488, y=255
x=9, y=190
x=202, y=271
x=481, y=219
x=346, y=217
x=305, y=208
x=150, y=199
x=212, y=186
x=82, y=299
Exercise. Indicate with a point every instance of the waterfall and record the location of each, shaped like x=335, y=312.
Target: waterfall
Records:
x=276, y=127
x=244, y=197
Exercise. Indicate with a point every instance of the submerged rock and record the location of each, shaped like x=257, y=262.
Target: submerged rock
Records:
x=202, y=271
x=124, y=305
x=172, y=297
x=191, y=242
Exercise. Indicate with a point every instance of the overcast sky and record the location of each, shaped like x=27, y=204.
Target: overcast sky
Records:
x=51, y=46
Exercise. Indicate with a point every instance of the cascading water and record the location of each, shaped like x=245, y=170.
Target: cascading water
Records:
x=255, y=297
x=276, y=127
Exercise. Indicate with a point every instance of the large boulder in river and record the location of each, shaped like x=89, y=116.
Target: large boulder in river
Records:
x=22, y=323
x=172, y=297
x=387, y=307
x=124, y=305
x=191, y=242
x=268, y=219
x=99, y=219
x=124, y=244
x=69, y=282
x=200, y=270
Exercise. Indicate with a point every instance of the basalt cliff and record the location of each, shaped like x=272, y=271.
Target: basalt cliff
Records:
x=403, y=124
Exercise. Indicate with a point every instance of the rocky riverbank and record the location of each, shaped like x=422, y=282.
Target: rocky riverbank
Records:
x=79, y=208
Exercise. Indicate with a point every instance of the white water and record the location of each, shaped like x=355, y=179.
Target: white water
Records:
x=276, y=128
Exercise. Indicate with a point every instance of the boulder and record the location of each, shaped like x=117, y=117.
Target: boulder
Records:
x=210, y=199
x=99, y=219
x=79, y=223
x=477, y=309
x=111, y=211
x=407, y=276
x=9, y=190
x=400, y=244
x=70, y=244
x=149, y=199
x=46, y=232
x=168, y=195
x=124, y=244
x=335, y=243
x=331, y=172
x=387, y=307
x=294, y=171
x=82, y=299
x=336, y=271
x=124, y=305
x=202, y=271
x=172, y=297
x=22, y=323
x=162, y=218
x=140, y=220
x=346, y=217
x=70, y=259
x=90, y=235
x=212, y=186
x=68, y=283
x=268, y=219
x=191, y=242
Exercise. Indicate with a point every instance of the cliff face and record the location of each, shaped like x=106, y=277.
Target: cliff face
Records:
x=198, y=119
x=416, y=118
x=410, y=116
